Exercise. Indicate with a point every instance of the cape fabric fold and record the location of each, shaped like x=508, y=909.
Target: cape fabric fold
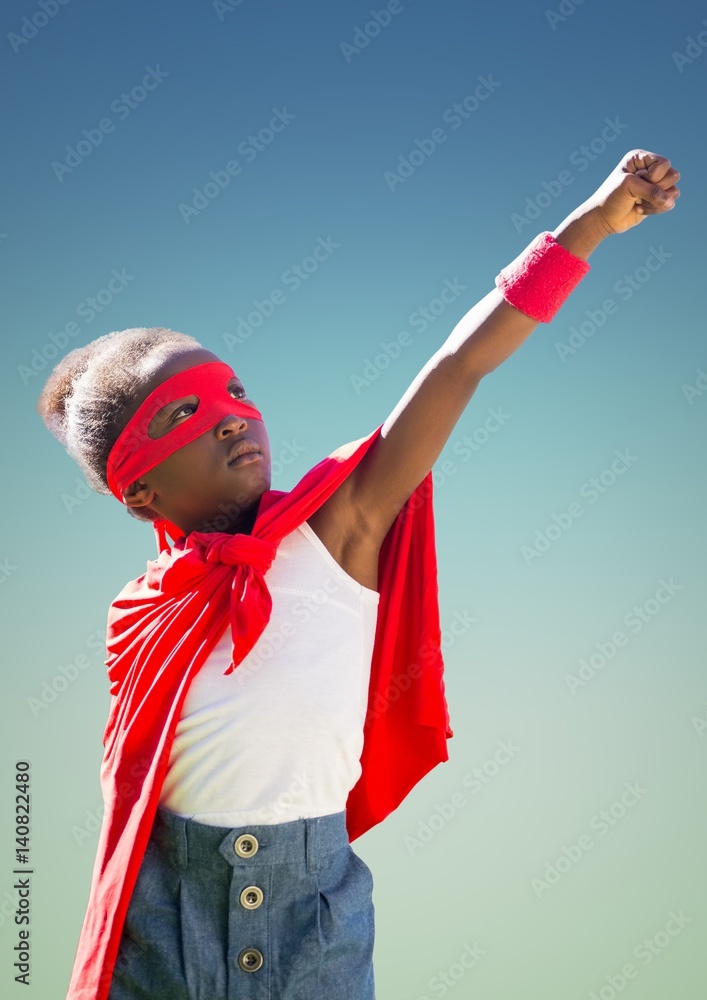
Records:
x=163, y=625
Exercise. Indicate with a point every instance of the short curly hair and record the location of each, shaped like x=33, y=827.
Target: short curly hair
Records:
x=91, y=393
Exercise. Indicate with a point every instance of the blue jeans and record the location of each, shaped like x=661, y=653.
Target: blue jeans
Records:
x=259, y=912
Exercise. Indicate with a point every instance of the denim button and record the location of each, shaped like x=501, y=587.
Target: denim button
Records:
x=251, y=897
x=246, y=845
x=250, y=960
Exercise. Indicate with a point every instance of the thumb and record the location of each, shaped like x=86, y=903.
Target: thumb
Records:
x=643, y=190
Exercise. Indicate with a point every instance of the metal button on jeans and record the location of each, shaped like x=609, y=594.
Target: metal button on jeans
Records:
x=250, y=960
x=251, y=897
x=246, y=845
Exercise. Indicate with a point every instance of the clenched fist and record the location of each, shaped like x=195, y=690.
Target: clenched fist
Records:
x=641, y=184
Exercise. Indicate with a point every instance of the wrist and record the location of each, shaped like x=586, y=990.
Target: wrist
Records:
x=582, y=231
x=540, y=278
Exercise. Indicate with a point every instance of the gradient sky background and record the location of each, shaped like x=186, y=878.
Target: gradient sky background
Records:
x=66, y=552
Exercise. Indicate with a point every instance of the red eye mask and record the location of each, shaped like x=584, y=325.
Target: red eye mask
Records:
x=135, y=452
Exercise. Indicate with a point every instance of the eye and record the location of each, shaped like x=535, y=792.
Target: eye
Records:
x=239, y=391
x=184, y=406
x=235, y=390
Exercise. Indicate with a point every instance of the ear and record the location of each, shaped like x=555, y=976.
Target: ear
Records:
x=139, y=494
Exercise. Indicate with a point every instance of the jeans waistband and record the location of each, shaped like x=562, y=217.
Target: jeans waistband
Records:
x=301, y=840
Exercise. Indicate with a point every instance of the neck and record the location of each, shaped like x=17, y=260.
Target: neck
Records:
x=230, y=521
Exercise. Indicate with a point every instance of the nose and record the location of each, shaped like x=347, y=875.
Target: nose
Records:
x=232, y=423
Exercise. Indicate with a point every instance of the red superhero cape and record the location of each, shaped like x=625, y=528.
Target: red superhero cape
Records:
x=163, y=625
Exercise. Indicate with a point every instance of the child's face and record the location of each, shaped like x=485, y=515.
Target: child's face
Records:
x=195, y=487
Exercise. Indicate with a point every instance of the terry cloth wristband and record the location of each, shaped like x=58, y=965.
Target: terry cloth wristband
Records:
x=540, y=278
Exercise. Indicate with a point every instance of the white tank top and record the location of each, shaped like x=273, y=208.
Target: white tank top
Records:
x=281, y=737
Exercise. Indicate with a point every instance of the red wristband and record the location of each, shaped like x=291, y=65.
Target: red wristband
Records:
x=540, y=278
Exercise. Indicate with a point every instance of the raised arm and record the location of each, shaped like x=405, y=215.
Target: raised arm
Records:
x=417, y=429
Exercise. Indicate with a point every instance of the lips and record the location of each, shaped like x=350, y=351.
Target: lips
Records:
x=243, y=448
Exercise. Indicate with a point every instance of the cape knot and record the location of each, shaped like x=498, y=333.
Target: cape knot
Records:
x=240, y=549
